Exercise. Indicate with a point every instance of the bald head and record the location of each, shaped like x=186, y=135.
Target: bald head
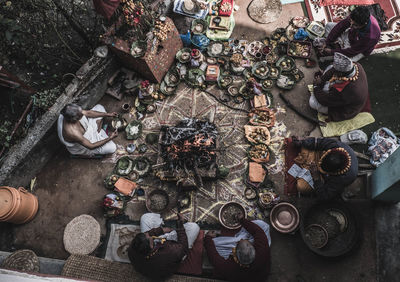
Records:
x=245, y=252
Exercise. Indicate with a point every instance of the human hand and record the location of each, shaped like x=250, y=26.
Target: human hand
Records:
x=296, y=142
x=212, y=233
x=314, y=172
x=317, y=80
x=322, y=46
x=113, y=114
x=181, y=218
x=327, y=51
x=114, y=134
x=167, y=229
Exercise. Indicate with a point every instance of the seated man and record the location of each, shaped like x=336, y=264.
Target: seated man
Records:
x=357, y=35
x=80, y=131
x=342, y=91
x=158, y=251
x=243, y=257
x=333, y=165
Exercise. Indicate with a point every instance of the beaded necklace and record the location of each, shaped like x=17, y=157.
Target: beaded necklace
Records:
x=346, y=165
x=343, y=78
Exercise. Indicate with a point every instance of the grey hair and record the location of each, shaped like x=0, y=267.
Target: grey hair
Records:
x=245, y=252
x=72, y=112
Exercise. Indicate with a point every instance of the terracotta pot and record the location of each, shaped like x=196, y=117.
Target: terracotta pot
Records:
x=17, y=205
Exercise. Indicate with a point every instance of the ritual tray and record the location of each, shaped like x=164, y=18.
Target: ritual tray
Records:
x=345, y=241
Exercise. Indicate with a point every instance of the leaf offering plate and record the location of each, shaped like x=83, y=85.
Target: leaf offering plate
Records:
x=286, y=63
x=167, y=90
x=133, y=130
x=272, y=57
x=184, y=55
x=297, y=74
x=286, y=81
x=233, y=91
x=260, y=70
x=274, y=72
x=225, y=81
x=215, y=49
x=267, y=84
x=199, y=26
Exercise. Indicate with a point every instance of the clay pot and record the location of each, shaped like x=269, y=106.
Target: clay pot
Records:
x=17, y=205
x=126, y=107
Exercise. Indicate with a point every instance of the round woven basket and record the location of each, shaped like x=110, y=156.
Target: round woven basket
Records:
x=23, y=260
x=82, y=235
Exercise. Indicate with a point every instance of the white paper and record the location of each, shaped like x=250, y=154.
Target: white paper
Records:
x=304, y=173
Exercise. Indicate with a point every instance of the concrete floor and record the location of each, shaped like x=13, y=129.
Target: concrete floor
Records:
x=69, y=187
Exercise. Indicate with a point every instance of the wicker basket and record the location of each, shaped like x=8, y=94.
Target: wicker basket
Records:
x=82, y=235
x=23, y=260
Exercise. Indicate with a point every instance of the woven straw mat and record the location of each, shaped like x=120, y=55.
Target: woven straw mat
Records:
x=82, y=235
x=93, y=268
x=23, y=260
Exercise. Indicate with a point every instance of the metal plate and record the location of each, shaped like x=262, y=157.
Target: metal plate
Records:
x=285, y=217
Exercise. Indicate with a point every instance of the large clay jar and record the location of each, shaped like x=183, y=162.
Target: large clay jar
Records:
x=17, y=205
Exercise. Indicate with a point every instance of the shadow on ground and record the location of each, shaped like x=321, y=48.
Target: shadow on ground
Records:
x=384, y=88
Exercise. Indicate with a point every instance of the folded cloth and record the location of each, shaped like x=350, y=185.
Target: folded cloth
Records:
x=382, y=144
x=341, y=127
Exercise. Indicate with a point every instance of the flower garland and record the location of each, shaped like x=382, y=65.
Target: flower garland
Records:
x=346, y=165
x=353, y=78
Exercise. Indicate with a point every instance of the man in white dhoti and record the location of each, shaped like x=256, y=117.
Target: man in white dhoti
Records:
x=81, y=131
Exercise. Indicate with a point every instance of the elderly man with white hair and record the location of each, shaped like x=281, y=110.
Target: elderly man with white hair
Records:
x=81, y=131
x=242, y=257
x=342, y=90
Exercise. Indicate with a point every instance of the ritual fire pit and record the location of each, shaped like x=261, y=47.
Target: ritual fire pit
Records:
x=188, y=152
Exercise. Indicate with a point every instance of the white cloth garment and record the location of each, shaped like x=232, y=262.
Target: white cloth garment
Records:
x=343, y=40
x=225, y=244
x=91, y=134
x=314, y=104
x=149, y=221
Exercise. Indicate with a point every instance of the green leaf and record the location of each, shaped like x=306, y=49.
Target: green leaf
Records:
x=8, y=35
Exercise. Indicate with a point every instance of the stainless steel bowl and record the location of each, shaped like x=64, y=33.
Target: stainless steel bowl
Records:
x=285, y=217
